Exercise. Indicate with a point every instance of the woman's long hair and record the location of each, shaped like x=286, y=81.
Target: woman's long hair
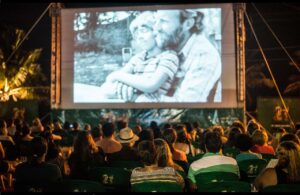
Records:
x=164, y=155
x=293, y=162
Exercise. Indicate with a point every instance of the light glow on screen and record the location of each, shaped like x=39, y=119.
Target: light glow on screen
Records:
x=151, y=56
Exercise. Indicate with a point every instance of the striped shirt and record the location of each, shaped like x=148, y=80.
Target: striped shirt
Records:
x=211, y=162
x=166, y=174
x=166, y=62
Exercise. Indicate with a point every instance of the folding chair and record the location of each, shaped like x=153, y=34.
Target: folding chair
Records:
x=216, y=176
x=282, y=188
x=74, y=185
x=225, y=186
x=159, y=186
x=112, y=178
x=251, y=168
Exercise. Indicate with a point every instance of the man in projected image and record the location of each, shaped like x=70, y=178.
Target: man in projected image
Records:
x=200, y=63
x=150, y=73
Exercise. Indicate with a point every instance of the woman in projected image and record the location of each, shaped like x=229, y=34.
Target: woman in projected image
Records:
x=150, y=73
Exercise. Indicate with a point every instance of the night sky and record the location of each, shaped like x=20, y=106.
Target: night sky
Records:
x=283, y=18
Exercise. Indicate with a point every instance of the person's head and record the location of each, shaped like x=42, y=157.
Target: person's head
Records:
x=181, y=134
x=233, y=132
x=290, y=137
x=141, y=29
x=239, y=124
x=219, y=129
x=83, y=144
x=147, y=152
x=108, y=129
x=170, y=135
x=167, y=126
x=259, y=137
x=164, y=155
x=126, y=136
x=252, y=126
x=243, y=142
x=26, y=130
x=3, y=127
x=87, y=127
x=38, y=150
x=213, y=142
x=288, y=154
x=137, y=129
x=189, y=127
x=174, y=27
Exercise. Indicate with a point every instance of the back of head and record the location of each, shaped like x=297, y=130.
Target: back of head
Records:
x=288, y=153
x=189, y=127
x=170, y=135
x=146, y=135
x=233, y=132
x=259, y=137
x=290, y=137
x=164, y=155
x=147, y=152
x=181, y=134
x=243, y=142
x=38, y=147
x=213, y=142
x=108, y=129
x=252, y=126
x=218, y=129
x=239, y=124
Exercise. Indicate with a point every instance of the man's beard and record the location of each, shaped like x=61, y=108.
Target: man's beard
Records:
x=171, y=41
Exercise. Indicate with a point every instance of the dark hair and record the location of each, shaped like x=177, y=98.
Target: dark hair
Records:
x=233, y=132
x=239, y=124
x=108, y=129
x=170, y=136
x=81, y=145
x=181, y=134
x=25, y=130
x=243, y=142
x=38, y=147
x=147, y=152
x=121, y=124
x=198, y=26
x=189, y=127
x=213, y=142
x=290, y=137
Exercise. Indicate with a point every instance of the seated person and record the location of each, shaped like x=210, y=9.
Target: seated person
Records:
x=151, y=171
x=212, y=160
x=244, y=142
x=150, y=72
x=36, y=172
x=287, y=171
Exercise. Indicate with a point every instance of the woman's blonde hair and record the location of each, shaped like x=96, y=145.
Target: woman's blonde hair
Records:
x=164, y=155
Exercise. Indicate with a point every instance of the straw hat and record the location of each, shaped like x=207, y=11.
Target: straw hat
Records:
x=126, y=135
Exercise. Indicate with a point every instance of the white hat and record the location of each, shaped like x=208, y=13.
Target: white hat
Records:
x=126, y=135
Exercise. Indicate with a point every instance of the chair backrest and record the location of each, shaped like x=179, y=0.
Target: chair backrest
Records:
x=111, y=177
x=283, y=188
x=268, y=157
x=126, y=164
x=74, y=185
x=159, y=186
x=225, y=186
x=231, y=152
x=216, y=176
x=251, y=168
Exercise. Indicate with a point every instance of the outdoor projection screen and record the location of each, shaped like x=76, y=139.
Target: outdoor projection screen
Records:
x=166, y=62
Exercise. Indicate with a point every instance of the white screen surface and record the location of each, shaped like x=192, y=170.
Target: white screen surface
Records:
x=98, y=42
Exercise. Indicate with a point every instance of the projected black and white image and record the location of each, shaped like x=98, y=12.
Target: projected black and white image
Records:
x=148, y=56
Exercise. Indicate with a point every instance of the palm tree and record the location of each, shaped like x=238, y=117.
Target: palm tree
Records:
x=20, y=74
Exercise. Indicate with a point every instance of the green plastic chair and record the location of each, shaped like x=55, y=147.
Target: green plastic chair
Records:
x=225, y=186
x=159, y=186
x=251, y=168
x=74, y=185
x=268, y=157
x=130, y=165
x=112, y=178
x=282, y=188
x=231, y=152
x=216, y=176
